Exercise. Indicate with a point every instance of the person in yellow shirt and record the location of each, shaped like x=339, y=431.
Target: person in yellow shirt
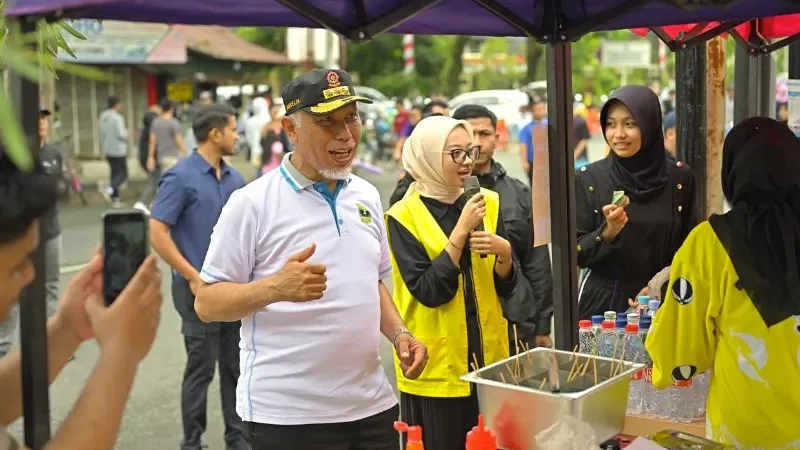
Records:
x=733, y=303
x=451, y=281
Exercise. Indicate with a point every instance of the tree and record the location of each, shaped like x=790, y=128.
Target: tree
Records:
x=455, y=65
x=273, y=38
x=533, y=52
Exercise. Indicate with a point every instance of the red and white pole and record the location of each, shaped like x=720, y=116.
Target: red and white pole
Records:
x=408, y=53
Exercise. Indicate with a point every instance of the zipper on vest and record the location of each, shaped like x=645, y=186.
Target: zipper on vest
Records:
x=477, y=315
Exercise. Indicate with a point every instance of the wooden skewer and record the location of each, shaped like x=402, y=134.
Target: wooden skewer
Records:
x=574, y=353
x=502, y=378
x=586, y=366
x=621, y=360
x=475, y=360
x=594, y=363
x=574, y=366
x=474, y=367
x=613, y=363
x=513, y=377
x=541, y=386
x=516, y=352
x=530, y=357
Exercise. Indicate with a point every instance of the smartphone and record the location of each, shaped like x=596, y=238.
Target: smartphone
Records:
x=125, y=246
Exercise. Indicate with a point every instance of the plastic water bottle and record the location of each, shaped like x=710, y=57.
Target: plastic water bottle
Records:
x=682, y=401
x=653, y=307
x=607, y=341
x=586, y=339
x=619, y=328
x=635, y=353
x=644, y=305
x=648, y=391
x=597, y=324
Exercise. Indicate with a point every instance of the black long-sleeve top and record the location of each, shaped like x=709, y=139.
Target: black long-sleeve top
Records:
x=654, y=232
x=434, y=282
x=531, y=309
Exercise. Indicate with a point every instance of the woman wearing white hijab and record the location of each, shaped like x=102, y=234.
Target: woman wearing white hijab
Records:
x=449, y=280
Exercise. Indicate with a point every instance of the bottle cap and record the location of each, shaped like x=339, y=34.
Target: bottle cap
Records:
x=597, y=319
x=633, y=317
x=632, y=328
x=654, y=304
x=644, y=300
x=645, y=322
x=610, y=315
x=414, y=432
x=481, y=438
x=585, y=324
x=608, y=325
x=621, y=322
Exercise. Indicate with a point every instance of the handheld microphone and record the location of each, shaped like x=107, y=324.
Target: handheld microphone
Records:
x=472, y=187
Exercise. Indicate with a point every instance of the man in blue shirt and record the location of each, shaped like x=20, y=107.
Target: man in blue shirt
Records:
x=186, y=207
x=539, y=112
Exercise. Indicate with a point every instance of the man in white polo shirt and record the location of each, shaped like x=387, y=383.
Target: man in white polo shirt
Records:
x=298, y=256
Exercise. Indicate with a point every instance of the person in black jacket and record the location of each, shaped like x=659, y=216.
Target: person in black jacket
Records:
x=516, y=212
x=624, y=244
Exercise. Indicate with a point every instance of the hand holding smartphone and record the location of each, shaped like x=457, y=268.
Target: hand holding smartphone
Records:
x=125, y=246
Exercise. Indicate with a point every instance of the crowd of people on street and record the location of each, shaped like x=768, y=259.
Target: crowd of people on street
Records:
x=287, y=284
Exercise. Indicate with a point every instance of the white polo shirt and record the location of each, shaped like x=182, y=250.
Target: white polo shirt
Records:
x=318, y=361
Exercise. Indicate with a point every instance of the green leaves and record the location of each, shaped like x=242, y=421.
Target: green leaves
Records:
x=13, y=136
x=29, y=55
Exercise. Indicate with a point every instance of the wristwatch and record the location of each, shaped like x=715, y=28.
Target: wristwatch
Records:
x=399, y=332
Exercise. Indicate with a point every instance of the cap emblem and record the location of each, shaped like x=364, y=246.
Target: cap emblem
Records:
x=333, y=79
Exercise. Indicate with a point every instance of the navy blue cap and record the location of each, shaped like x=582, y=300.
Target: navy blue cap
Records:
x=621, y=322
x=645, y=322
x=670, y=121
x=598, y=319
x=320, y=92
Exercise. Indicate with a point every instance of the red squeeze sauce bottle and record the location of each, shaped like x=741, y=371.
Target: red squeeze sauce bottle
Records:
x=481, y=438
x=414, y=435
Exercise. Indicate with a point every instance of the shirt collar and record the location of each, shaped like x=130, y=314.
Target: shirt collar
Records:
x=297, y=180
x=205, y=167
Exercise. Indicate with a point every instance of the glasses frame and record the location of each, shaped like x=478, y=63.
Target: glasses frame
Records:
x=473, y=152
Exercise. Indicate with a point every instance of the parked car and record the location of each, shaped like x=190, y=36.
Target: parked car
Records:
x=509, y=105
x=380, y=102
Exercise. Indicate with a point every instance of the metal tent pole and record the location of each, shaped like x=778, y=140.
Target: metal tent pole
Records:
x=562, y=181
x=32, y=305
x=690, y=112
x=794, y=61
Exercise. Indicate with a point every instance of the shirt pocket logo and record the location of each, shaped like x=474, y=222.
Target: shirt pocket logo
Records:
x=364, y=214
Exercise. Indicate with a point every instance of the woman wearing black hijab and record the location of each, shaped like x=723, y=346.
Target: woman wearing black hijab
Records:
x=734, y=297
x=624, y=246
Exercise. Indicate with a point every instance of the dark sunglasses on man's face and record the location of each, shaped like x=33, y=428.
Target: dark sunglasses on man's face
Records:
x=460, y=155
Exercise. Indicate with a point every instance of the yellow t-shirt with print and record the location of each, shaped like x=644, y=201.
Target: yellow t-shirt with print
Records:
x=706, y=322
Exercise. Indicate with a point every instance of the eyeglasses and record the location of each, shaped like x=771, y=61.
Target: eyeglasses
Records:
x=460, y=155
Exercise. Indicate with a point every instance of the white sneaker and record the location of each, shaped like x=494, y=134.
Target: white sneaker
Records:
x=105, y=191
x=142, y=207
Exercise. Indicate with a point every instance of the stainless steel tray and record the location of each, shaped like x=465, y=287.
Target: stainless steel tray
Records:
x=516, y=409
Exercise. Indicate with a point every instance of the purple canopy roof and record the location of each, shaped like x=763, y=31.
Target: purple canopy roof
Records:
x=466, y=17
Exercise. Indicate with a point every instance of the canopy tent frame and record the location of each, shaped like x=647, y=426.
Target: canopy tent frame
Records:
x=555, y=31
x=366, y=29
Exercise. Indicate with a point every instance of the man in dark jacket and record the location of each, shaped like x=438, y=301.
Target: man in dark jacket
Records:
x=516, y=212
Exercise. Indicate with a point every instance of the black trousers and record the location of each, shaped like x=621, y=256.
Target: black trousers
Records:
x=598, y=295
x=119, y=173
x=373, y=433
x=445, y=421
x=203, y=351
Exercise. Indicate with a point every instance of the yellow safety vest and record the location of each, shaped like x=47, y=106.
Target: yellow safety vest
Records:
x=444, y=329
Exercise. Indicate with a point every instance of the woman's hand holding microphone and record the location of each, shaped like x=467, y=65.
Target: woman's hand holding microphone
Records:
x=481, y=242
